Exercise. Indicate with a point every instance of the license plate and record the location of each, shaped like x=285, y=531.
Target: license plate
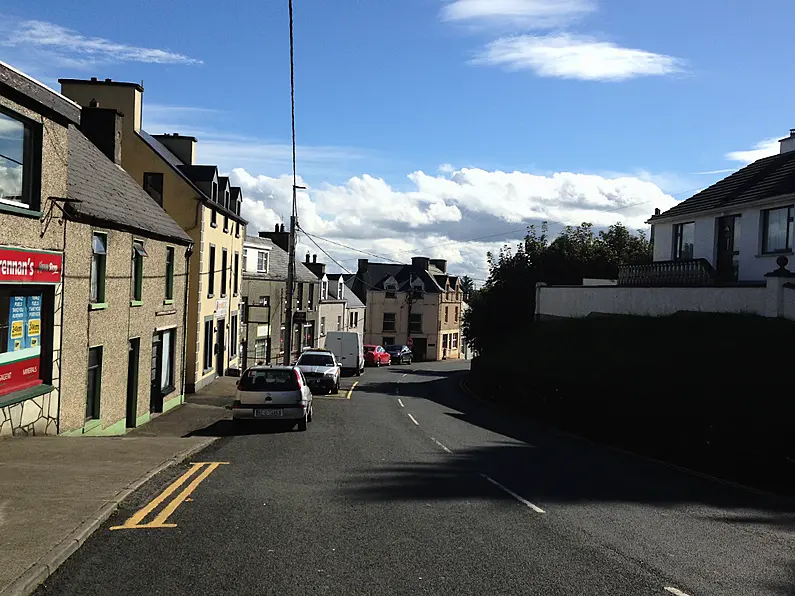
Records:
x=267, y=413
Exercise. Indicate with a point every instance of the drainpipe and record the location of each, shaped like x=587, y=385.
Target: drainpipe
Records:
x=60, y=347
x=188, y=253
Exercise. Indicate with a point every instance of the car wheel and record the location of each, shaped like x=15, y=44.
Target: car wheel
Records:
x=302, y=423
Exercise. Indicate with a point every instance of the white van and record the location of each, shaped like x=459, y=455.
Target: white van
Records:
x=348, y=347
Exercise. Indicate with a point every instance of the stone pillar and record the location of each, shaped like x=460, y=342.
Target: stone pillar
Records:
x=774, y=293
x=539, y=285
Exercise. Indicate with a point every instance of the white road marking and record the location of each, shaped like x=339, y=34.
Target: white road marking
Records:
x=400, y=401
x=404, y=376
x=522, y=500
x=675, y=592
x=442, y=446
x=414, y=420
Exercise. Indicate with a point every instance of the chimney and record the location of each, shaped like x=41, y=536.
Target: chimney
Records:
x=184, y=147
x=788, y=144
x=314, y=258
x=307, y=257
x=279, y=237
x=103, y=127
x=319, y=269
x=440, y=264
x=127, y=98
x=657, y=211
x=421, y=263
x=276, y=228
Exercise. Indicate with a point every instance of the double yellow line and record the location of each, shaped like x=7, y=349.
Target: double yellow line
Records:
x=352, y=388
x=199, y=472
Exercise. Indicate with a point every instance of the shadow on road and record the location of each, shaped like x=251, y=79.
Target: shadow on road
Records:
x=230, y=428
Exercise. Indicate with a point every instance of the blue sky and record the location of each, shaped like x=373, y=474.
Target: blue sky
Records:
x=427, y=107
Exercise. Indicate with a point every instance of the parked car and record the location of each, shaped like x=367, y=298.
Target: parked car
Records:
x=376, y=356
x=321, y=369
x=273, y=393
x=347, y=349
x=400, y=354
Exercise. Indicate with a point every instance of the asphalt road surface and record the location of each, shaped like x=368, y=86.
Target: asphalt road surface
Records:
x=412, y=487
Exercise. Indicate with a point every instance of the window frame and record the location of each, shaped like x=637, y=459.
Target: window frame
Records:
x=322, y=326
x=32, y=141
x=94, y=403
x=389, y=325
x=211, y=271
x=412, y=328
x=213, y=217
x=678, y=236
x=169, y=359
x=233, y=330
x=169, y=289
x=226, y=223
x=236, y=274
x=137, y=273
x=224, y=263
x=101, y=260
x=790, y=232
x=208, y=345
x=263, y=257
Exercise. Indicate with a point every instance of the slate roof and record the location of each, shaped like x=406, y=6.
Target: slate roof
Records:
x=764, y=179
x=278, y=263
x=351, y=298
x=108, y=195
x=377, y=273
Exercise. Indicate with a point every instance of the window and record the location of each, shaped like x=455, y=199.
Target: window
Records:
x=391, y=292
x=215, y=192
x=415, y=323
x=262, y=261
x=322, y=326
x=169, y=273
x=299, y=302
x=21, y=361
x=226, y=223
x=311, y=301
x=211, y=274
x=339, y=290
x=233, y=337
x=389, y=321
x=265, y=300
x=245, y=258
x=167, y=350
x=94, y=384
x=153, y=185
x=446, y=314
x=339, y=323
x=138, y=270
x=281, y=340
x=456, y=314
x=213, y=217
x=324, y=290
x=223, y=272
x=350, y=320
x=20, y=162
x=684, y=237
x=777, y=230
x=237, y=228
x=260, y=350
x=208, y=344
x=455, y=341
x=236, y=274
x=99, y=243
x=389, y=341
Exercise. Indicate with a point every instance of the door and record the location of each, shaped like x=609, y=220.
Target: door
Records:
x=419, y=347
x=155, y=395
x=219, y=355
x=728, y=257
x=133, y=350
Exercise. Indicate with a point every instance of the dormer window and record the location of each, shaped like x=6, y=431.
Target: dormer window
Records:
x=324, y=290
x=339, y=291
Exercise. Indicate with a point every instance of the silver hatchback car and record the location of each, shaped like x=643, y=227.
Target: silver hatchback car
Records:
x=273, y=393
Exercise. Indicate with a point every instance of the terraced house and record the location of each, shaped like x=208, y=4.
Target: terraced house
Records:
x=204, y=205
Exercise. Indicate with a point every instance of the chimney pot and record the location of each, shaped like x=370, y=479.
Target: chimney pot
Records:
x=314, y=258
x=281, y=228
x=93, y=103
x=657, y=211
x=276, y=228
x=307, y=257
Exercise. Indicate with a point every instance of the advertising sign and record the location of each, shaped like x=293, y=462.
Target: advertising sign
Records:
x=20, y=357
x=17, y=319
x=33, y=327
x=31, y=266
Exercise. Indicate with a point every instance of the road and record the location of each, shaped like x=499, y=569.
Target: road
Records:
x=412, y=487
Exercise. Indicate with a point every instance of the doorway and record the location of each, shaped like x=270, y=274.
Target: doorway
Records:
x=419, y=348
x=219, y=356
x=155, y=395
x=728, y=257
x=133, y=351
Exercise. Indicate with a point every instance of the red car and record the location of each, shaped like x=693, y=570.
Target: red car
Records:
x=376, y=356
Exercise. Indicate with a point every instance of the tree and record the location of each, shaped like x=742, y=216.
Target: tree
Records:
x=502, y=312
x=467, y=287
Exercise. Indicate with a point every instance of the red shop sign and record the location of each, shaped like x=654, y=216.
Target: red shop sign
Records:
x=32, y=266
x=19, y=375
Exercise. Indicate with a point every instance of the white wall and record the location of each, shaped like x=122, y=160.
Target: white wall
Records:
x=578, y=301
x=753, y=265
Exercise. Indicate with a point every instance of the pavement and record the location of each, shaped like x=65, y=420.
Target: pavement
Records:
x=413, y=487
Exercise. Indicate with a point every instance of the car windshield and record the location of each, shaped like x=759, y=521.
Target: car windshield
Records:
x=269, y=380
x=393, y=348
x=316, y=360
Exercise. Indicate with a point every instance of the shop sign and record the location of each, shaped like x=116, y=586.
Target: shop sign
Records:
x=29, y=266
x=20, y=357
x=221, y=307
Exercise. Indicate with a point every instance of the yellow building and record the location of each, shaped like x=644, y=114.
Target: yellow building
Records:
x=204, y=205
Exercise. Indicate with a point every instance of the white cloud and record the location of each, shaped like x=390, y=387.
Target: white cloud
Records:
x=440, y=214
x=762, y=149
x=67, y=48
x=570, y=56
x=530, y=14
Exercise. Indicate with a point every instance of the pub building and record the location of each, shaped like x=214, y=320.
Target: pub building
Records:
x=34, y=123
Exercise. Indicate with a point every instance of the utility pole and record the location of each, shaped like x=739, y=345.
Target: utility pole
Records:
x=289, y=326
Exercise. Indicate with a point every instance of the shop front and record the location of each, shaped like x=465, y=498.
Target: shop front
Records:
x=30, y=280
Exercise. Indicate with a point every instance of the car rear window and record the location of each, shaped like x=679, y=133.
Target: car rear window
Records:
x=269, y=380
x=369, y=348
x=316, y=360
